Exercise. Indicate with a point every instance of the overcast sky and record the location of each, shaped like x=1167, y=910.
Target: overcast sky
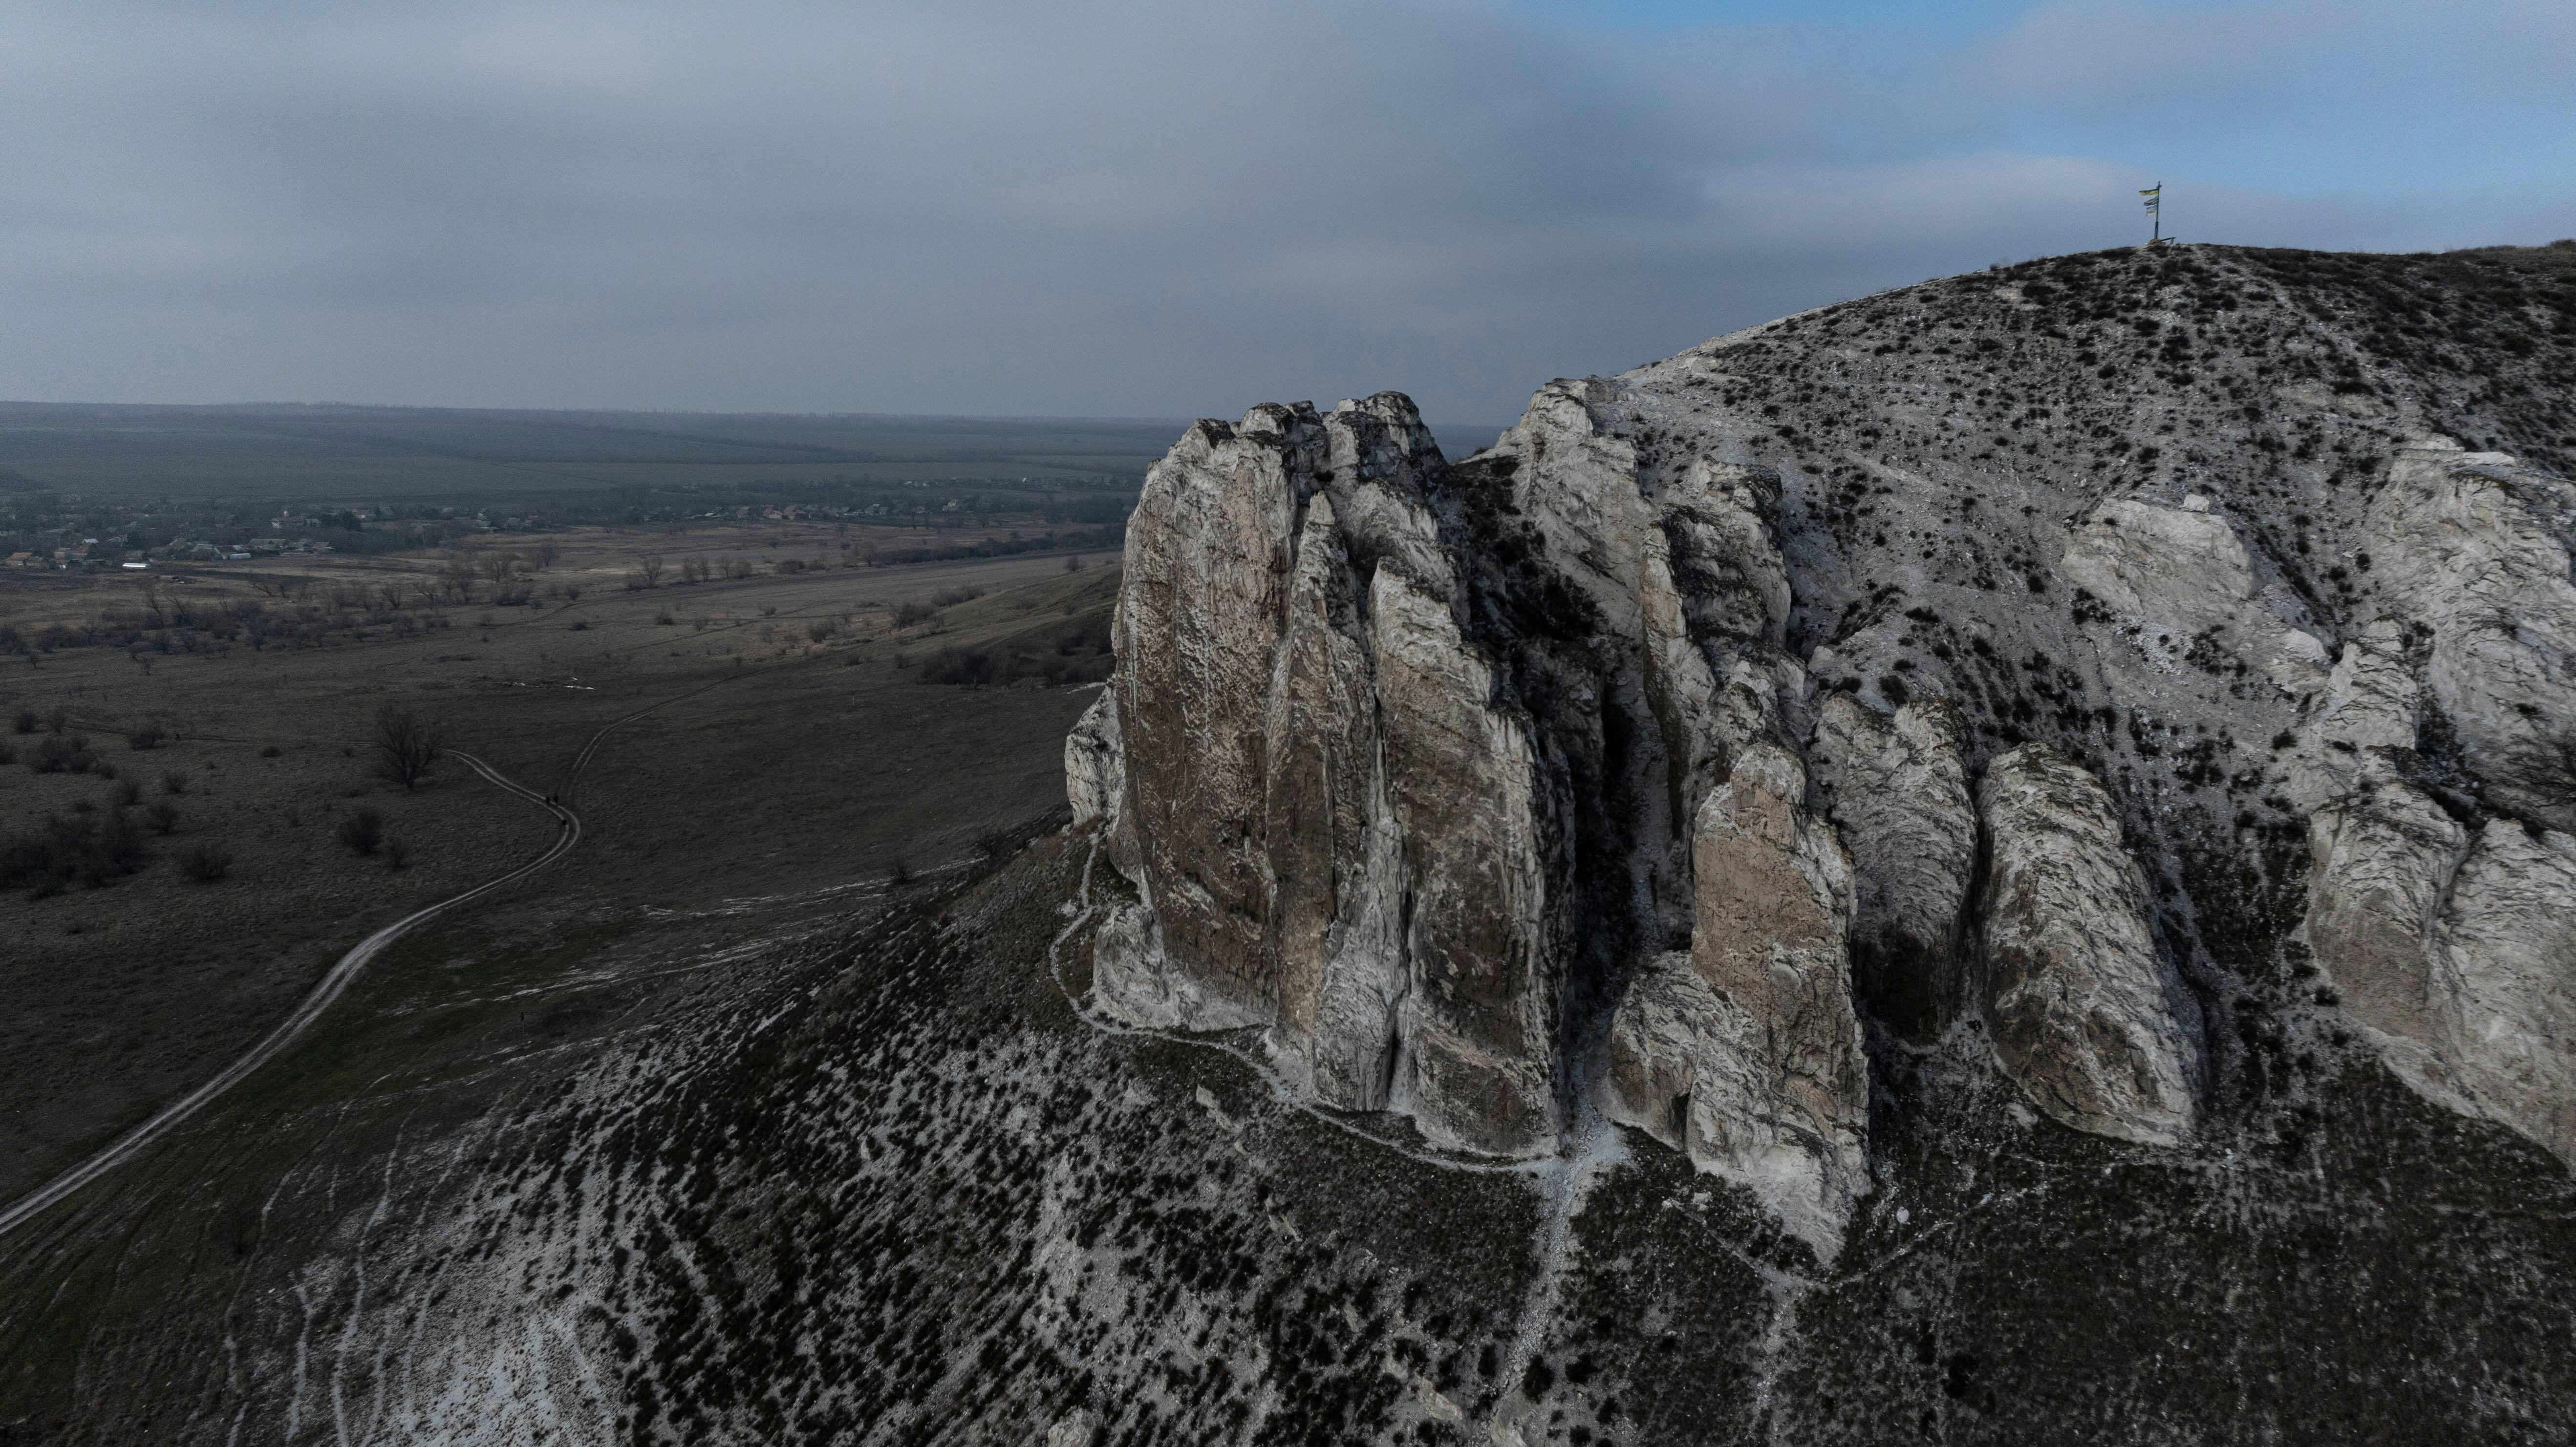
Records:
x=1163, y=207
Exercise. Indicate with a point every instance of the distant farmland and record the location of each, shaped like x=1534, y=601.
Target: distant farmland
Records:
x=382, y=452
x=329, y=451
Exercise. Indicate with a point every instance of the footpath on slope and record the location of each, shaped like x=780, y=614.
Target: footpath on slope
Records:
x=332, y=984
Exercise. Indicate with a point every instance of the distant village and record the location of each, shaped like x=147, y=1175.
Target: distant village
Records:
x=47, y=532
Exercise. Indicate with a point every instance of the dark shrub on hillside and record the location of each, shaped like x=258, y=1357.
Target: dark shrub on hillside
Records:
x=206, y=863
x=62, y=754
x=1074, y=651
x=959, y=666
x=362, y=831
x=91, y=849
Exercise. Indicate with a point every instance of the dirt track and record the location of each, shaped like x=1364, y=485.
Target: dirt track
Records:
x=319, y=999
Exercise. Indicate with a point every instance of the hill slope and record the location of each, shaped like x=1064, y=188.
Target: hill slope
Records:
x=1814, y=893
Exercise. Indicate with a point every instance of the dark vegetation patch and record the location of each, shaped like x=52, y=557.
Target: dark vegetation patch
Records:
x=1053, y=655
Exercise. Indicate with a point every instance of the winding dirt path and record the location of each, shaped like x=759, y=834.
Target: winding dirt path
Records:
x=321, y=997
x=329, y=989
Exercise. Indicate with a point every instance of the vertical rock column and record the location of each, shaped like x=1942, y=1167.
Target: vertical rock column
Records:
x=1897, y=791
x=2085, y=1013
x=1199, y=619
x=1745, y=1052
x=1485, y=928
x=2504, y=980
x=1334, y=830
x=1337, y=893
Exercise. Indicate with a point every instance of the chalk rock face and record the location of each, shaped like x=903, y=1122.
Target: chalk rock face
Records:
x=1198, y=624
x=1399, y=754
x=2456, y=950
x=1897, y=792
x=1745, y=1051
x=2382, y=865
x=2475, y=547
x=2186, y=571
x=1094, y=767
x=2360, y=725
x=1337, y=838
x=2504, y=980
x=1482, y=934
x=2085, y=1013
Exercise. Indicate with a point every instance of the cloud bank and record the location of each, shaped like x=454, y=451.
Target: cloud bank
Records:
x=1153, y=208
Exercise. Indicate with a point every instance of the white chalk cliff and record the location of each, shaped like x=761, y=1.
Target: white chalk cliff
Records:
x=1799, y=691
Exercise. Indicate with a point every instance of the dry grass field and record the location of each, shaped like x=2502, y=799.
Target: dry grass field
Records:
x=791, y=760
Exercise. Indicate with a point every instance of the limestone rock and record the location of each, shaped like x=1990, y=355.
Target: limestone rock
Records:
x=2186, y=571
x=2504, y=982
x=2455, y=950
x=1199, y=617
x=1482, y=933
x=1337, y=836
x=2475, y=547
x=2356, y=728
x=1335, y=899
x=1746, y=1052
x=2084, y=1011
x=1095, y=770
x=2382, y=866
x=1897, y=792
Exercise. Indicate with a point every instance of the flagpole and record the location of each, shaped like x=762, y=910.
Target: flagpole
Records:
x=2159, y=235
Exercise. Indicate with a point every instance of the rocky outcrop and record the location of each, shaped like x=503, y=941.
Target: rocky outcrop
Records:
x=1094, y=765
x=2445, y=931
x=1725, y=715
x=2504, y=980
x=1897, y=791
x=2184, y=570
x=2474, y=548
x=1745, y=1050
x=1482, y=933
x=2382, y=865
x=2361, y=727
x=1337, y=837
x=2455, y=949
x=2085, y=1013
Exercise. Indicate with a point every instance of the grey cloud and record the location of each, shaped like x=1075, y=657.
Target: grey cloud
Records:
x=1138, y=208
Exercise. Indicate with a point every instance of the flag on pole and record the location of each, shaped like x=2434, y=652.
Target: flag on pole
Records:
x=2155, y=195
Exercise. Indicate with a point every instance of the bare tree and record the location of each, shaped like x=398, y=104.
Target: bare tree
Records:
x=547, y=552
x=405, y=746
x=651, y=567
x=498, y=566
x=458, y=578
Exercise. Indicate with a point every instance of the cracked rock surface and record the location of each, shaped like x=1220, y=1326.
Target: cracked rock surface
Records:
x=1446, y=796
x=2085, y=1013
